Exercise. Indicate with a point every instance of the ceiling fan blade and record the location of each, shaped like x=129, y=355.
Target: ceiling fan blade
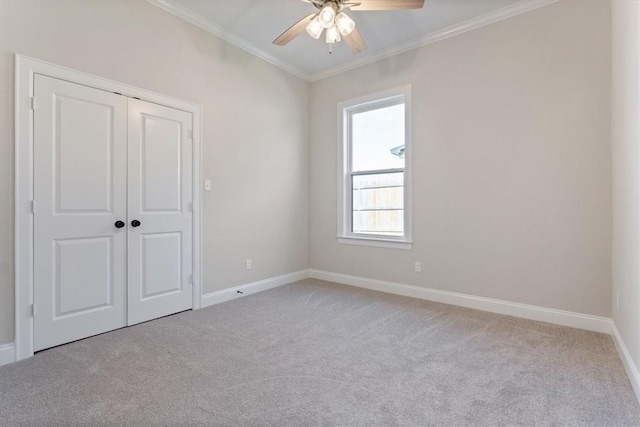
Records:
x=355, y=42
x=293, y=31
x=388, y=4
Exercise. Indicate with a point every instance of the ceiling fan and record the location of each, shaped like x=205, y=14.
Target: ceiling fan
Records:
x=338, y=25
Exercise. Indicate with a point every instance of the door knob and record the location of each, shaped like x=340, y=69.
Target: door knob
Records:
x=135, y=223
x=119, y=224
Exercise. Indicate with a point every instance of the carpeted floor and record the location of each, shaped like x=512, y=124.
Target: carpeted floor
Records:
x=317, y=353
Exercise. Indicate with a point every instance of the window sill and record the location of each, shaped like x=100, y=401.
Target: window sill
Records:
x=376, y=242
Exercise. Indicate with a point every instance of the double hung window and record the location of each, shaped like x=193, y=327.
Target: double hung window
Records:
x=374, y=187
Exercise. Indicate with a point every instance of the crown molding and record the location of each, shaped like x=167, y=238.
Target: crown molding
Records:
x=497, y=15
x=480, y=21
x=174, y=8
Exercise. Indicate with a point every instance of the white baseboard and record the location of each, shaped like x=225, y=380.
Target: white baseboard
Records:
x=627, y=361
x=7, y=354
x=251, y=288
x=532, y=312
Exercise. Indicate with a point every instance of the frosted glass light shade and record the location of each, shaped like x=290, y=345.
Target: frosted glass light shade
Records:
x=333, y=34
x=327, y=16
x=315, y=28
x=345, y=24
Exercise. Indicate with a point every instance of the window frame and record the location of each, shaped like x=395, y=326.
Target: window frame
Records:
x=346, y=109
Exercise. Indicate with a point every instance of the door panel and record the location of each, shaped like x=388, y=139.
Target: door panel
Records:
x=86, y=287
x=159, y=196
x=161, y=264
x=161, y=152
x=80, y=137
x=76, y=119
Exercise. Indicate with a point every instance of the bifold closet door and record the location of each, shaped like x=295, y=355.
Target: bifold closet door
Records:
x=80, y=194
x=160, y=199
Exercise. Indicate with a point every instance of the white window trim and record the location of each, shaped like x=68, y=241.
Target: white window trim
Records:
x=345, y=235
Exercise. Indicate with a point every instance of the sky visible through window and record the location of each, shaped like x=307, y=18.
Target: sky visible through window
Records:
x=375, y=133
x=378, y=198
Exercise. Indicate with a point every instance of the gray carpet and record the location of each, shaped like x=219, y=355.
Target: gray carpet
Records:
x=317, y=353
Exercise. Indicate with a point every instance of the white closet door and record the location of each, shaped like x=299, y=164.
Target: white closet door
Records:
x=160, y=215
x=80, y=137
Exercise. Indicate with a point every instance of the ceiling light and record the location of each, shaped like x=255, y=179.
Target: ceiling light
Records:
x=315, y=28
x=333, y=34
x=345, y=24
x=327, y=16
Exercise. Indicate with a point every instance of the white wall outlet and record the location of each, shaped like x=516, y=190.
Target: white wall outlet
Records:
x=617, y=299
x=417, y=267
x=248, y=264
x=207, y=185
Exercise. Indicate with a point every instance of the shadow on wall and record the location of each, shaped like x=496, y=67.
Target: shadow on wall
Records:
x=7, y=137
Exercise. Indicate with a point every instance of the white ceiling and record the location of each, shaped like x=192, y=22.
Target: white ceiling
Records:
x=253, y=24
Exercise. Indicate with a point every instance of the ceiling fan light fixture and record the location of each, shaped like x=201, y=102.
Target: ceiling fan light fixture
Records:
x=315, y=28
x=327, y=16
x=333, y=34
x=345, y=24
x=338, y=24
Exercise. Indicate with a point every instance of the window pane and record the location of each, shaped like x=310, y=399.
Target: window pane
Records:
x=378, y=204
x=378, y=139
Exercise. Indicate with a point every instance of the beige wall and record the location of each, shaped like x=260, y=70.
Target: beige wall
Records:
x=626, y=172
x=255, y=132
x=511, y=166
x=512, y=153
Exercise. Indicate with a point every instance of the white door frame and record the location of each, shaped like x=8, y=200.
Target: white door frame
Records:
x=25, y=69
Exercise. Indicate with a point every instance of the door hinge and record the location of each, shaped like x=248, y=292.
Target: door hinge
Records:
x=190, y=134
x=33, y=206
x=32, y=103
x=33, y=310
x=191, y=279
x=191, y=206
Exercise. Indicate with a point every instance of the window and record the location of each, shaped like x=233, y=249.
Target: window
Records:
x=374, y=177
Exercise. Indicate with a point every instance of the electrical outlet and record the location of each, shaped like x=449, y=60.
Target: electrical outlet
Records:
x=617, y=299
x=417, y=267
x=248, y=264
